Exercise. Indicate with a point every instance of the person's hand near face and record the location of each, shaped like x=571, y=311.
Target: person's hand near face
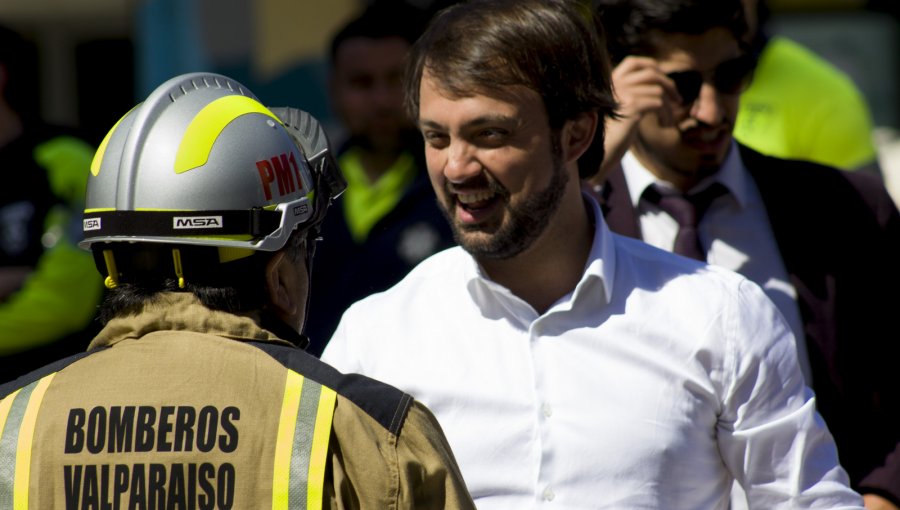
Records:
x=678, y=107
x=640, y=87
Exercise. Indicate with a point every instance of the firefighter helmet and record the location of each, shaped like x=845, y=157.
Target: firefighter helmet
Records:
x=203, y=162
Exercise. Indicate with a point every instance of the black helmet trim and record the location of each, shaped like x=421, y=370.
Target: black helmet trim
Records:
x=255, y=223
x=309, y=134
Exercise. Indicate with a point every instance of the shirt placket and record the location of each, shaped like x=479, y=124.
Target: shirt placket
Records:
x=545, y=486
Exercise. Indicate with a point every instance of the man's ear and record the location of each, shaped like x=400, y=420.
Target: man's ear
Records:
x=279, y=281
x=577, y=135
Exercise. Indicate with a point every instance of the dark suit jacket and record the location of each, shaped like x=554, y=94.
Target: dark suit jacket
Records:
x=839, y=236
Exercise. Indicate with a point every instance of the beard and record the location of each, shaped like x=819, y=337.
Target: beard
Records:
x=522, y=224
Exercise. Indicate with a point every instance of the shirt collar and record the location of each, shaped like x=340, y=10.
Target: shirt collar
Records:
x=730, y=175
x=601, y=263
x=599, y=268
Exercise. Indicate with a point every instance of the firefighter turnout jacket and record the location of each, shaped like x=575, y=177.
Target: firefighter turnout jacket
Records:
x=180, y=406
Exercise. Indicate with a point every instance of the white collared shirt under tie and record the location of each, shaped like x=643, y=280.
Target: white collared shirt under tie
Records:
x=735, y=232
x=649, y=386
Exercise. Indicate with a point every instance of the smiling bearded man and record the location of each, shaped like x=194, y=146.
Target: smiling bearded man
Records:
x=565, y=363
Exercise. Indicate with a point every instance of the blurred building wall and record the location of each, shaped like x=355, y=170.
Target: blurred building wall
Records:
x=277, y=48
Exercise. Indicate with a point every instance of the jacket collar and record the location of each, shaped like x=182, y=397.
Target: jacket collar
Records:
x=182, y=311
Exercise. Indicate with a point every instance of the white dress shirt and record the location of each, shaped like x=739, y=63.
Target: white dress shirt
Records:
x=649, y=386
x=735, y=232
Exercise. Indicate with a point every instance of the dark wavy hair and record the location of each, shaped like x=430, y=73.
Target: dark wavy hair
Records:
x=633, y=26
x=381, y=20
x=553, y=47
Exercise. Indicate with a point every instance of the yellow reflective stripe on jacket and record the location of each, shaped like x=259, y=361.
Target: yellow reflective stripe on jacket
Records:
x=18, y=415
x=301, y=450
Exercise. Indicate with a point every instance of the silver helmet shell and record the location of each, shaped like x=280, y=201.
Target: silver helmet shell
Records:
x=202, y=162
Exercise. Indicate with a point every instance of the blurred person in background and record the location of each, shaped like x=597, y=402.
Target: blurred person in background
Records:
x=387, y=221
x=48, y=288
x=822, y=243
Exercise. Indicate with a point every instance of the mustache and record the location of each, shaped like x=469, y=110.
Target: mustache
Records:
x=479, y=182
x=696, y=128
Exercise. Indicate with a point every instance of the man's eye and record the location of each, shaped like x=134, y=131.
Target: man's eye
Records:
x=435, y=139
x=492, y=135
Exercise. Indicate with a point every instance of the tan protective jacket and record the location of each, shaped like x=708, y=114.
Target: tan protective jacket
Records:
x=184, y=407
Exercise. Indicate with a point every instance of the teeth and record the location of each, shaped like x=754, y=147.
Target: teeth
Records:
x=472, y=198
x=709, y=136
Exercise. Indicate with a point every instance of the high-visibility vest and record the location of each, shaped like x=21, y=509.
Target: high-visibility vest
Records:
x=301, y=453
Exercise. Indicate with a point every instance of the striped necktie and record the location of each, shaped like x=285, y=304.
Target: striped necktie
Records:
x=686, y=210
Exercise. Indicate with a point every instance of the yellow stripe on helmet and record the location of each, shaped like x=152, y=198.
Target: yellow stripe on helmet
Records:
x=101, y=150
x=205, y=128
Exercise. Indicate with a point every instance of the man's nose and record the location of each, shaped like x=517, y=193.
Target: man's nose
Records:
x=708, y=107
x=461, y=162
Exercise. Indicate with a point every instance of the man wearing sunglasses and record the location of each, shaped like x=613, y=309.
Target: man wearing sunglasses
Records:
x=822, y=243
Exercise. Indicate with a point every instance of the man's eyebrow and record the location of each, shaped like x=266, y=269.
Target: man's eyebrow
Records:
x=477, y=121
x=430, y=124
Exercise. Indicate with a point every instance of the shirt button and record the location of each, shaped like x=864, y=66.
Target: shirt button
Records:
x=549, y=494
x=547, y=409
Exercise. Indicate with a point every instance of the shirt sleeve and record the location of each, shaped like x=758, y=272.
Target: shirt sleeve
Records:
x=770, y=435
x=429, y=475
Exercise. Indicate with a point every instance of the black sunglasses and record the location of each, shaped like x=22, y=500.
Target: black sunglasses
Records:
x=730, y=77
